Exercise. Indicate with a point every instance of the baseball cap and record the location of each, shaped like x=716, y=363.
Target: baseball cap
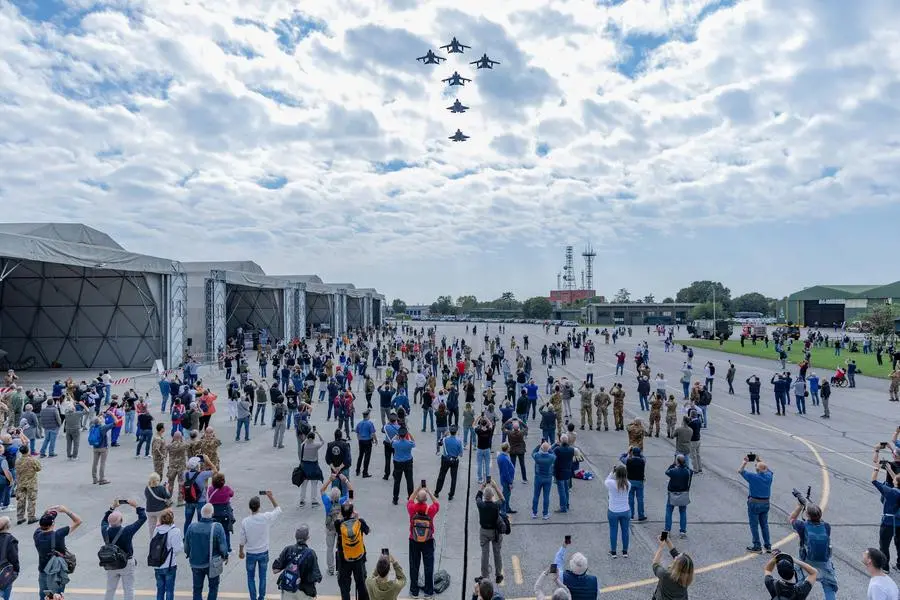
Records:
x=454, y=429
x=785, y=567
x=47, y=519
x=193, y=462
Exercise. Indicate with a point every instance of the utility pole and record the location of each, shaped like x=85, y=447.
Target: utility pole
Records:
x=714, y=307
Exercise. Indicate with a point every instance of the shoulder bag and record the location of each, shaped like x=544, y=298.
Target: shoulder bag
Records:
x=216, y=562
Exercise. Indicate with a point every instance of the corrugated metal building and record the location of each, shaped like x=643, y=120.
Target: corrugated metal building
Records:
x=828, y=305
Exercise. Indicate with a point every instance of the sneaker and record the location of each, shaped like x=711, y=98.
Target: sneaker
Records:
x=768, y=549
x=754, y=549
x=612, y=554
x=641, y=519
x=546, y=517
x=534, y=515
x=499, y=579
x=683, y=535
x=624, y=553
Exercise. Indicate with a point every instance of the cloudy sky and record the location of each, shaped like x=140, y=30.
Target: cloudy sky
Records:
x=751, y=141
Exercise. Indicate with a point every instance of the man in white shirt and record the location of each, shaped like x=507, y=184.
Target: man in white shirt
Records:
x=881, y=586
x=255, y=541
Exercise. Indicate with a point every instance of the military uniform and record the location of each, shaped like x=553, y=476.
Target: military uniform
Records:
x=158, y=452
x=27, y=468
x=618, y=395
x=636, y=435
x=586, y=412
x=895, y=385
x=556, y=403
x=209, y=446
x=671, y=416
x=177, y=466
x=655, y=408
x=601, y=401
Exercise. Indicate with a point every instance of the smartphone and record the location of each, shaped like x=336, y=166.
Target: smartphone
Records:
x=350, y=494
x=385, y=552
x=883, y=463
x=664, y=536
x=487, y=479
x=262, y=492
x=568, y=539
x=751, y=457
x=423, y=483
x=121, y=502
x=553, y=568
x=314, y=427
x=883, y=445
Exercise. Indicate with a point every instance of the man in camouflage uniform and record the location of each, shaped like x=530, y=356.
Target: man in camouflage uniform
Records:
x=193, y=444
x=158, y=450
x=27, y=468
x=601, y=401
x=15, y=405
x=618, y=396
x=895, y=385
x=636, y=434
x=671, y=416
x=209, y=446
x=556, y=403
x=587, y=392
x=177, y=452
x=656, y=403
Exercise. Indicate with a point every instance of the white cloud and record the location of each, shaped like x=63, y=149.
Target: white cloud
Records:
x=161, y=121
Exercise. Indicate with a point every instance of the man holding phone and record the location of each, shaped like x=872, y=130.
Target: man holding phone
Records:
x=580, y=584
x=760, y=491
x=422, y=508
x=254, y=542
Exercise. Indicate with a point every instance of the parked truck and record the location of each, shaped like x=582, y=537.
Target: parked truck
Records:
x=709, y=329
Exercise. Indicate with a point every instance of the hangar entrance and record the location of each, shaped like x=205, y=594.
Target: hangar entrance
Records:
x=823, y=314
x=257, y=311
x=319, y=313
x=355, y=316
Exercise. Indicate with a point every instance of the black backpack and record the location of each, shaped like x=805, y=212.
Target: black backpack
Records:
x=290, y=579
x=159, y=550
x=112, y=557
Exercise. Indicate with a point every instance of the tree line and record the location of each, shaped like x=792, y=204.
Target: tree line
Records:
x=536, y=307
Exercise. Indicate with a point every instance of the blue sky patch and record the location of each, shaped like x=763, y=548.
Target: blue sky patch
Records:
x=639, y=47
x=272, y=182
x=102, y=185
x=278, y=97
x=292, y=31
x=233, y=48
x=392, y=166
x=542, y=149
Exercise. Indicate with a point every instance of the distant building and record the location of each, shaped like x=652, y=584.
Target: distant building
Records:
x=637, y=313
x=570, y=296
x=418, y=310
x=830, y=305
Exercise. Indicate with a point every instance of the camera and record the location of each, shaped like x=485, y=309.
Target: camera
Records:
x=800, y=497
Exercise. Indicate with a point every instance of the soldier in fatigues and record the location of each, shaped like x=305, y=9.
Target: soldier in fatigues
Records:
x=193, y=444
x=618, y=395
x=177, y=464
x=27, y=468
x=636, y=434
x=656, y=403
x=601, y=401
x=556, y=403
x=895, y=385
x=587, y=392
x=209, y=446
x=158, y=450
x=671, y=415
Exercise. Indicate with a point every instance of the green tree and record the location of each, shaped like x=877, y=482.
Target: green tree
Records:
x=622, y=296
x=649, y=299
x=702, y=292
x=443, y=306
x=398, y=306
x=705, y=311
x=537, y=307
x=752, y=302
x=668, y=300
x=881, y=320
x=467, y=303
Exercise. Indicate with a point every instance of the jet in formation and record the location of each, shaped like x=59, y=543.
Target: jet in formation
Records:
x=459, y=136
x=431, y=58
x=454, y=47
x=455, y=79
x=485, y=63
x=457, y=107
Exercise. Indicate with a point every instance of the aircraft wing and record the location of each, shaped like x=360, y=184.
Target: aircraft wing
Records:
x=447, y=47
x=464, y=79
x=446, y=80
x=422, y=57
x=464, y=46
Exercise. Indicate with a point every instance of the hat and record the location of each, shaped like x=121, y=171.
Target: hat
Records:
x=193, y=462
x=402, y=431
x=47, y=519
x=636, y=451
x=785, y=566
x=302, y=533
x=454, y=429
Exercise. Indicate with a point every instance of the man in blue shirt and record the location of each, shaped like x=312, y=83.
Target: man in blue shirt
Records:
x=403, y=444
x=451, y=450
x=365, y=436
x=890, y=512
x=401, y=400
x=760, y=484
x=531, y=390
x=385, y=396
x=507, y=475
x=390, y=432
x=544, y=461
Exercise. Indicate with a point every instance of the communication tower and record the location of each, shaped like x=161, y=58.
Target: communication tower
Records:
x=588, y=256
x=569, y=270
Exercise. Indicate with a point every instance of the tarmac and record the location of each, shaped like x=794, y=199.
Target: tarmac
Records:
x=832, y=456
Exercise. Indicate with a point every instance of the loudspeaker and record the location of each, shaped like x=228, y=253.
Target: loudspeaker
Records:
x=190, y=341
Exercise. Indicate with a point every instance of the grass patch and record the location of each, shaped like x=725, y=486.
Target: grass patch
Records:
x=821, y=358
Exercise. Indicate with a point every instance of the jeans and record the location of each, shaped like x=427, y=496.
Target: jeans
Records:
x=129, y=421
x=562, y=488
x=549, y=435
x=703, y=410
x=507, y=492
x=620, y=368
x=190, y=509
x=636, y=491
x=483, y=460
x=617, y=520
x=49, y=441
x=541, y=486
x=165, y=583
x=758, y=516
x=243, y=422
x=682, y=518
x=685, y=386
x=44, y=586
x=200, y=574
x=645, y=401
x=815, y=397
x=144, y=437
x=520, y=458
x=801, y=404
x=256, y=562
x=428, y=415
x=468, y=432
x=260, y=410
x=420, y=554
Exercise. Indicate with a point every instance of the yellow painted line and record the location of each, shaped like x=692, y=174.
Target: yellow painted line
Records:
x=517, y=570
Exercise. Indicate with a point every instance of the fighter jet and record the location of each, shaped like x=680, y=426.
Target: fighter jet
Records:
x=454, y=47
x=485, y=63
x=431, y=58
x=455, y=79
x=459, y=136
x=457, y=107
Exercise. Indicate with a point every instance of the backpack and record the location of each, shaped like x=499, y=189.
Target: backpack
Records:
x=817, y=547
x=94, y=437
x=7, y=572
x=111, y=556
x=335, y=455
x=192, y=491
x=705, y=398
x=333, y=515
x=712, y=369
x=420, y=528
x=159, y=550
x=289, y=580
x=352, y=546
x=279, y=413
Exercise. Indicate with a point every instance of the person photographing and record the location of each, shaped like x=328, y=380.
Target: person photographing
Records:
x=815, y=543
x=786, y=585
x=760, y=491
